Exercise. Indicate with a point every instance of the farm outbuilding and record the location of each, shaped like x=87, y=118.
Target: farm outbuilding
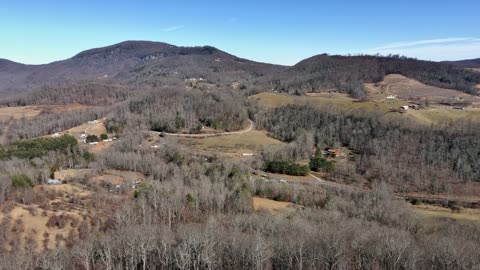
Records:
x=54, y=182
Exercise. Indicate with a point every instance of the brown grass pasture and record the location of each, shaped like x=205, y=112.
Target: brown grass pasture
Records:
x=273, y=207
x=114, y=177
x=436, y=115
x=431, y=115
x=69, y=174
x=432, y=212
x=91, y=129
x=271, y=100
x=233, y=145
x=29, y=112
x=409, y=89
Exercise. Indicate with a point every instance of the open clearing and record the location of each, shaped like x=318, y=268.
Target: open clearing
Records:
x=436, y=115
x=435, y=212
x=273, y=207
x=57, y=215
x=114, y=177
x=35, y=230
x=233, y=145
x=272, y=100
x=29, y=112
x=97, y=128
x=71, y=174
x=408, y=89
x=430, y=115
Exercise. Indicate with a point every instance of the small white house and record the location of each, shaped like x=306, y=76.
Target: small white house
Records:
x=405, y=108
x=92, y=122
x=56, y=135
x=247, y=154
x=108, y=140
x=391, y=97
x=83, y=135
x=54, y=182
x=93, y=143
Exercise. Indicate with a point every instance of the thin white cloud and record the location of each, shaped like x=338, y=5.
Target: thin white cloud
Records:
x=433, y=49
x=173, y=28
x=423, y=42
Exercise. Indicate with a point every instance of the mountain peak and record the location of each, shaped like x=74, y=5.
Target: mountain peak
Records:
x=131, y=48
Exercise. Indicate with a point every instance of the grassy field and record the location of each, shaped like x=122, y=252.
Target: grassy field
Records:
x=409, y=89
x=271, y=100
x=273, y=207
x=432, y=212
x=435, y=115
x=400, y=86
x=432, y=115
x=114, y=177
x=232, y=145
x=29, y=112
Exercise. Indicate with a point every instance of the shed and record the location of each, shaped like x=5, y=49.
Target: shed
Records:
x=54, y=182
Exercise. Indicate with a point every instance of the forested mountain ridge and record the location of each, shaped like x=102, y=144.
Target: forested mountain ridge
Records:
x=155, y=63
x=128, y=62
x=349, y=73
x=469, y=63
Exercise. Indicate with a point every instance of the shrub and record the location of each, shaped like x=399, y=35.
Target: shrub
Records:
x=103, y=136
x=319, y=164
x=21, y=181
x=89, y=157
x=92, y=138
x=287, y=167
x=38, y=147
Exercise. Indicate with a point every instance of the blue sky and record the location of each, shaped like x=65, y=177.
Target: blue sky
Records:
x=282, y=32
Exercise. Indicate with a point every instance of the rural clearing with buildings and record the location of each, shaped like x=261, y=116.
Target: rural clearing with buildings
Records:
x=329, y=135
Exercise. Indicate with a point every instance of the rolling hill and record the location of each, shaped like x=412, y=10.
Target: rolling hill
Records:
x=156, y=63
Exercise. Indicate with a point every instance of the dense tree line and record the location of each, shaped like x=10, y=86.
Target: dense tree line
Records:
x=86, y=93
x=286, y=167
x=391, y=149
x=348, y=73
x=38, y=147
